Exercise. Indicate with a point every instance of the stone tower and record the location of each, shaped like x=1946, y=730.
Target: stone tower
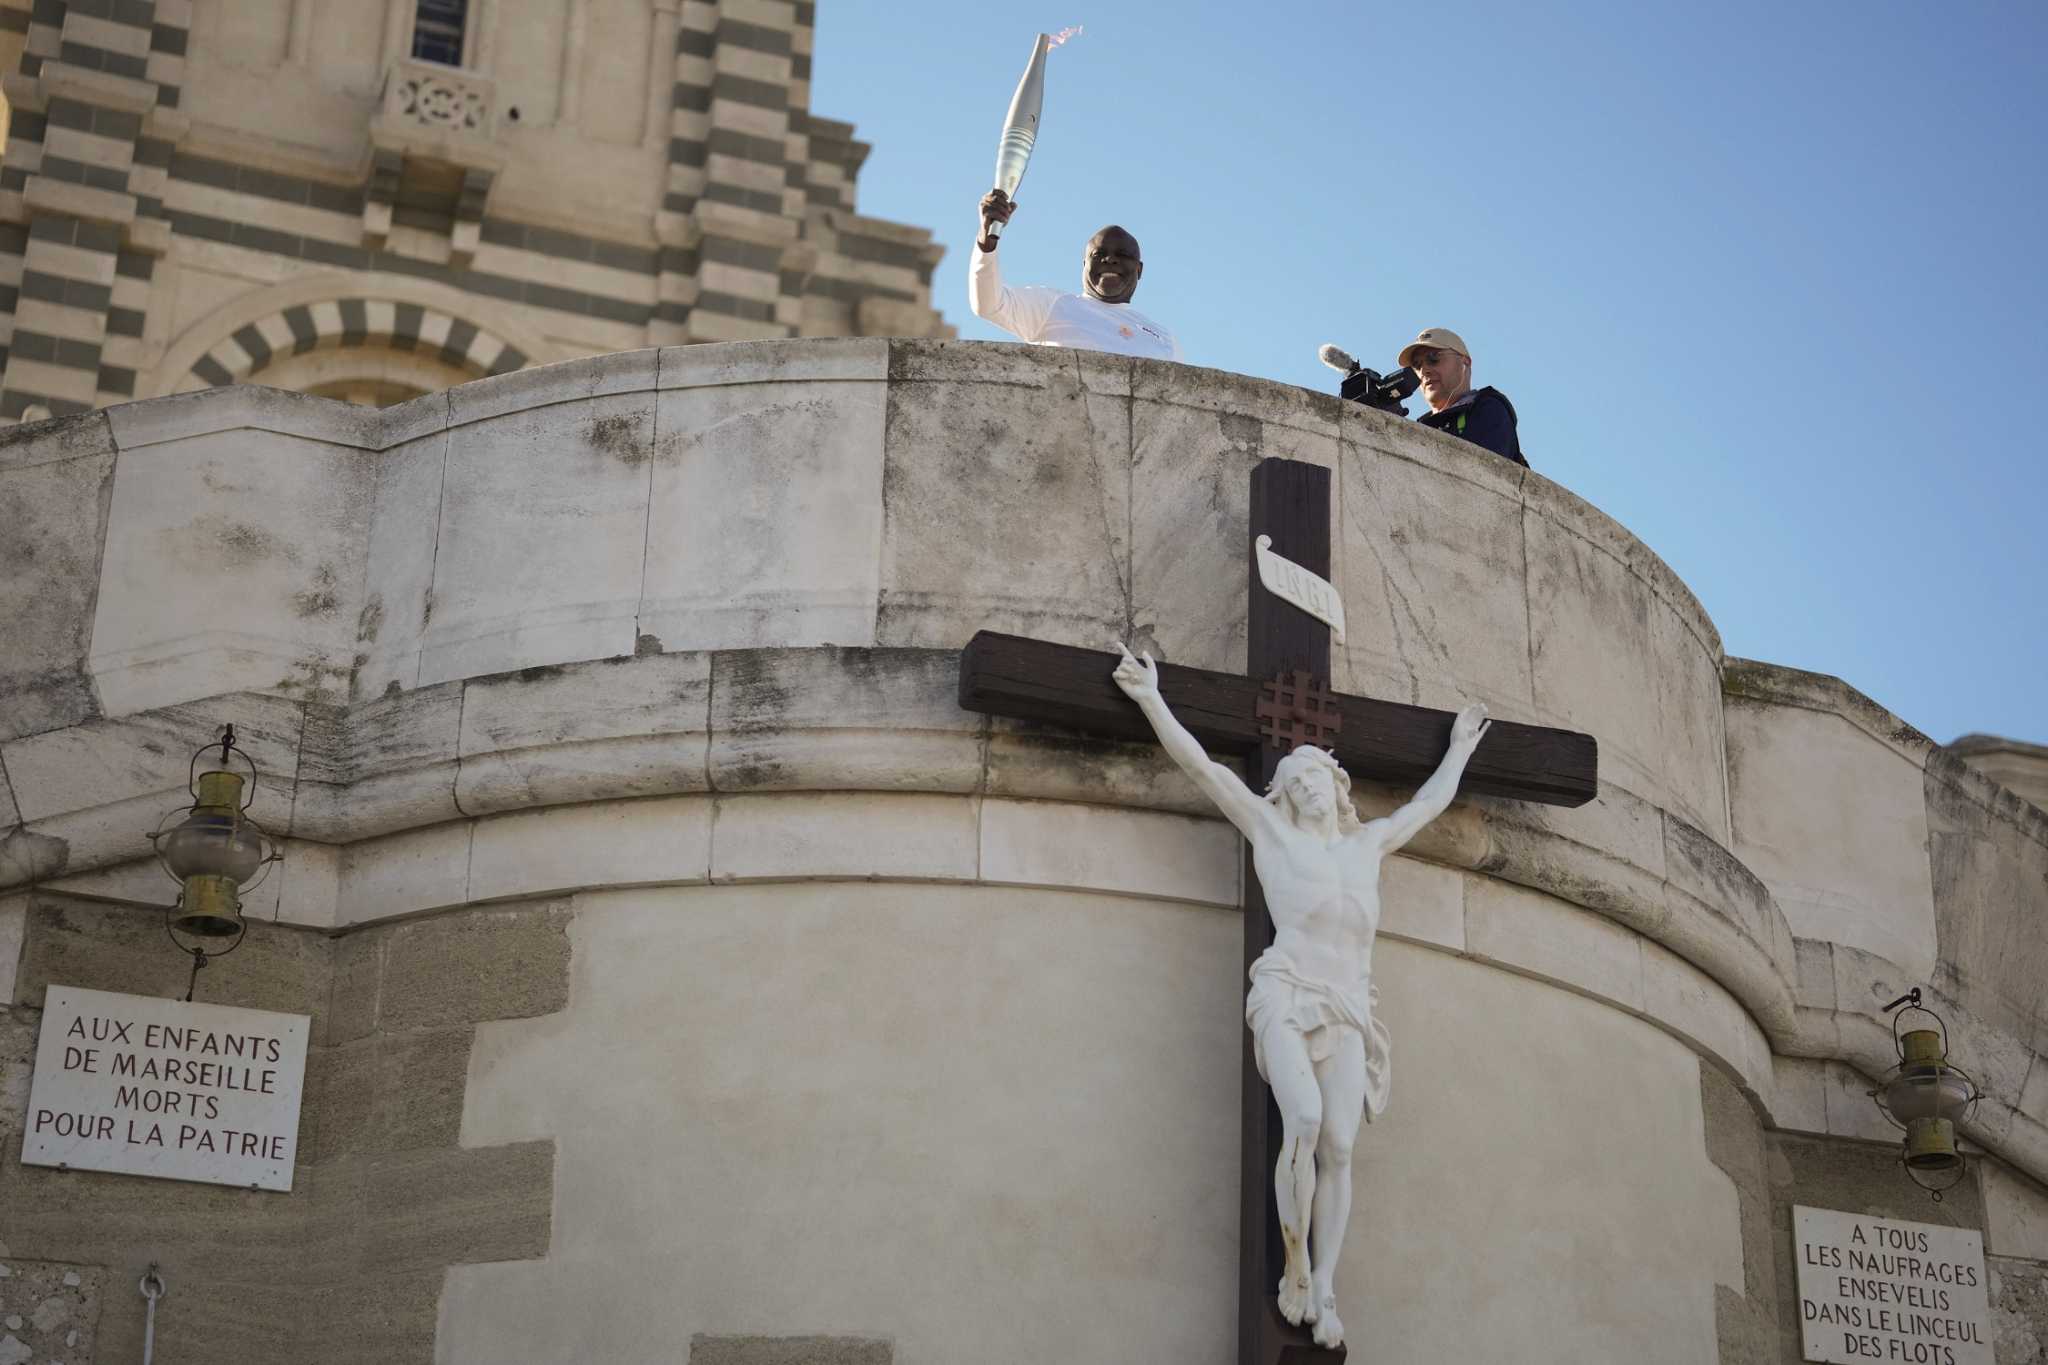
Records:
x=373, y=199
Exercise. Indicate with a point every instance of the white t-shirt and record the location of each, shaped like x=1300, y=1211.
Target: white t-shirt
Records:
x=1053, y=317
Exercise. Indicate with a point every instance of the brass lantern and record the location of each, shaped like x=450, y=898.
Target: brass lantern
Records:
x=1926, y=1096
x=218, y=850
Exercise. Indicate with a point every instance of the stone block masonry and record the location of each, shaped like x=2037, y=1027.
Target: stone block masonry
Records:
x=760, y=195
x=81, y=195
x=152, y=244
x=710, y=1350
x=831, y=933
x=49, y=1311
x=1772, y=1170
x=349, y=1265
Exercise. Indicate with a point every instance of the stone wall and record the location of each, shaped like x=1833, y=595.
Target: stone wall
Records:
x=658, y=652
x=2013, y=764
x=1019, y=1098
x=348, y=1265
x=1896, y=864
x=49, y=1310
x=1774, y=1170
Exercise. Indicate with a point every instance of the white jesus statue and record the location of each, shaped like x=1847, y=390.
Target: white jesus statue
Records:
x=1310, y=1007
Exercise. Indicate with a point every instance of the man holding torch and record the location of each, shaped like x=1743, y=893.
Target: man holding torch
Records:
x=1102, y=319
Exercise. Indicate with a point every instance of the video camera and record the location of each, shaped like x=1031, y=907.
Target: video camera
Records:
x=1370, y=387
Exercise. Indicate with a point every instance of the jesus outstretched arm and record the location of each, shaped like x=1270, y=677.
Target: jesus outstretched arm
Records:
x=1433, y=797
x=1139, y=678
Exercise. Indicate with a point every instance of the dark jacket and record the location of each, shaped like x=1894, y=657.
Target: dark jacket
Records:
x=1484, y=417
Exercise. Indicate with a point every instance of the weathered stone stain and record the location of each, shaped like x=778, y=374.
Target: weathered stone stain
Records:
x=621, y=437
x=243, y=545
x=370, y=619
x=811, y=1350
x=758, y=699
x=311, y=673
x=322, y=599
x=1244, y=434
x=81, y=433
x=26, y=856
x=18, y=550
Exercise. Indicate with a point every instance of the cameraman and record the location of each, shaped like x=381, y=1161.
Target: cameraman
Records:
x=1481, y=416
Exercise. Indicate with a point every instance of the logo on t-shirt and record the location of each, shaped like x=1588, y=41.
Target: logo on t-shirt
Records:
x=1125, y=331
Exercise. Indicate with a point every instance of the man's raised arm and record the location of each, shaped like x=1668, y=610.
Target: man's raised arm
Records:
x=1020, y=312
x=1140, y=682
x=1433, y=797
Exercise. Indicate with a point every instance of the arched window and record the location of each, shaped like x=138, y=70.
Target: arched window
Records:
x=365, y=349
x=438, y=29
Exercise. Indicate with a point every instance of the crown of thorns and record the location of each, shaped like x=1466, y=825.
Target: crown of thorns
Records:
x=1309, y=753
x=1347, y=813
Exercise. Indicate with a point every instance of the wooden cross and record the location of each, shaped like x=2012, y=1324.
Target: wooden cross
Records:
x=1261, y=717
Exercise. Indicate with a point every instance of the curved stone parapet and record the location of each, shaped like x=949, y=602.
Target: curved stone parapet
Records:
x=853, y=493
x=689, y=617
x=860, y=494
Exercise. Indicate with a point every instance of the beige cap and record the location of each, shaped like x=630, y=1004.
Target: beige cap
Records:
x=1435, y=339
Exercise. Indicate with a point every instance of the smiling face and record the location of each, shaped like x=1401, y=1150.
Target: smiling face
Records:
x=1110, y=267
x=1445, y=376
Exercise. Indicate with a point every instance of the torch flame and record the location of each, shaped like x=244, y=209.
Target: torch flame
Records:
x=1056, y=39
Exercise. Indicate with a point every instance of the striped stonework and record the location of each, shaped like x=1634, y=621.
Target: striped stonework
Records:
x=82, y=177
x=354, y=322
x=728, y=168
x=835, y=161
x=772, y=245
x=60, y=319
x=103, y=177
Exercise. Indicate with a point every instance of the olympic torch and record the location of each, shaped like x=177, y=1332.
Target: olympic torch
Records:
x=1020, y=126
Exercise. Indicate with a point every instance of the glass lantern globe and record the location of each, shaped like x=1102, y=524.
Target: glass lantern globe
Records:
x=1926, y=1096
x=215, y=839
x=215, y=851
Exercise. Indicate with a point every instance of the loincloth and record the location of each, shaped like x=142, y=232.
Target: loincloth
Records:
x=1321, y=1013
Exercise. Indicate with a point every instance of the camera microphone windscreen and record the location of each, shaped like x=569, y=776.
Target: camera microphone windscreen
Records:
x=1337, y=359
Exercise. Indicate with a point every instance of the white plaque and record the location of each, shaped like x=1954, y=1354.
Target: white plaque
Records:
x=145, y=1086
x=1289, y=582
x=1887, y=1290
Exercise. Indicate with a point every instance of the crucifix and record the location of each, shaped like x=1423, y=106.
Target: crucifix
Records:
x=1281, y=705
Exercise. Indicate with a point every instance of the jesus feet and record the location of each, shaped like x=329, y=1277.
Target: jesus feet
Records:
x=1329, y=1328
x=1297, y=1300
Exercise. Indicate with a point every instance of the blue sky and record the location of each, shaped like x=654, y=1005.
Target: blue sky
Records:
x=1765, y=282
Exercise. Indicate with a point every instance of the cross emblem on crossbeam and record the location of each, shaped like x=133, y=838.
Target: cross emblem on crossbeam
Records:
x=1296, y=709
x=1260, y=716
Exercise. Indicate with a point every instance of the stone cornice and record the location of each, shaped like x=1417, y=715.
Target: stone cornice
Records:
x=707, y=574
x=381, y=779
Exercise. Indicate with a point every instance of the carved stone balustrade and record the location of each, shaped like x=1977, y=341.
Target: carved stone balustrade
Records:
x=440, y=99
x=433, y=150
